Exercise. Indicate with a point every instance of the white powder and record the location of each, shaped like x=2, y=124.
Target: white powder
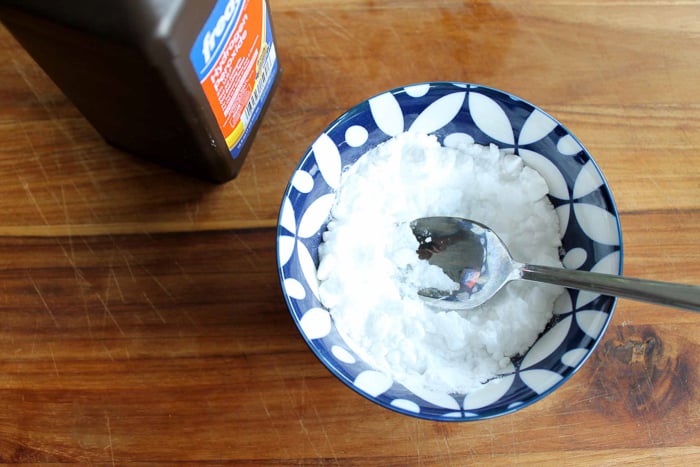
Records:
x=370, y=272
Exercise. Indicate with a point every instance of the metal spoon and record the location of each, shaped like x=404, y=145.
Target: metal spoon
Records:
x=473, y=256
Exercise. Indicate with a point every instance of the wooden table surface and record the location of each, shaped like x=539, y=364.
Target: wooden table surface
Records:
x=141, y=317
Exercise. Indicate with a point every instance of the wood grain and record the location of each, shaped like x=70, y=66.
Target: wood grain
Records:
x=142, y=319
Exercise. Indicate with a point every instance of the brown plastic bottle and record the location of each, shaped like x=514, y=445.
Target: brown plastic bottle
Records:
x=183, y=83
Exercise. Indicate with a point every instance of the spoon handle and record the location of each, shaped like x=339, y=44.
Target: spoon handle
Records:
x=661, y=293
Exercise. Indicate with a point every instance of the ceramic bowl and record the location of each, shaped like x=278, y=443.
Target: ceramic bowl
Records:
x=591, y=238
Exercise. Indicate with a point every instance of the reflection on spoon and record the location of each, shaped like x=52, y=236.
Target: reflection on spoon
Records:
x=475, y=257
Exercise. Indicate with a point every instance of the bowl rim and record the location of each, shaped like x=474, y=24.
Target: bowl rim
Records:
x=328, y=363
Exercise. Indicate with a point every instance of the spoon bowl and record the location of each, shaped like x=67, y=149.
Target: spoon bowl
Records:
x=478, y=261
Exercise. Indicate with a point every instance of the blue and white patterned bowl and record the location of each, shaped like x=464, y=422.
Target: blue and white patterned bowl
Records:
x=591, y=238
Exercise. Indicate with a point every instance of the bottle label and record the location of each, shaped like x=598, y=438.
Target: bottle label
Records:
x=235, y=59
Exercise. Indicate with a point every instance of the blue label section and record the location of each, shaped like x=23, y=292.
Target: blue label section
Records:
x=214, y=35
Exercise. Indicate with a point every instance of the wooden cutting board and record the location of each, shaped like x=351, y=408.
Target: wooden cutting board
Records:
x=141, y=315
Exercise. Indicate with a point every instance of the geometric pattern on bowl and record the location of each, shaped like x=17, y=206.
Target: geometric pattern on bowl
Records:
x=591, y=238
